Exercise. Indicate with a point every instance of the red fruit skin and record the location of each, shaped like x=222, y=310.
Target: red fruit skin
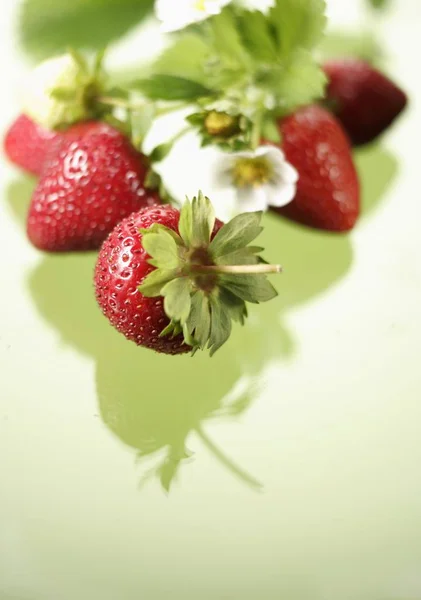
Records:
x=26, y=144
x=328, y=189
x=363, y=99
x=92, y=179
x=120, y=269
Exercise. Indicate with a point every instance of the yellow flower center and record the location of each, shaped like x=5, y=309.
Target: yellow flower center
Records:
x=221, y=124
x=252, y=172
x=200, y=5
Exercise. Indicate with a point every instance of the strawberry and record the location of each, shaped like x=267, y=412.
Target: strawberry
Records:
x=363, y=99
x=93, y=179
x=165, y=278
x=328, y=190
x=26, y=144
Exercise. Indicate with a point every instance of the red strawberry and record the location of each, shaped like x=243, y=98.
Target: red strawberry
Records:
x=364, y=100
x=93, y=179
x=328, y=190
x=26, y=144
x=162, y=277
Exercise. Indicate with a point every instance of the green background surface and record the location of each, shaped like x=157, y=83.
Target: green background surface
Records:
x=293, y=455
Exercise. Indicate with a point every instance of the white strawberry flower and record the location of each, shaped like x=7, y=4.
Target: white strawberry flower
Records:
x=61, y=72
x=263, y=5
x=237, y=182
x=178, y=14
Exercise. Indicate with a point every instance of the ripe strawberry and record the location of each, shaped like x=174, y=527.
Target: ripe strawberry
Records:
x=328, y=190
x=364, y=100
x=26, y=144
x=93, y=179
x=163, y=277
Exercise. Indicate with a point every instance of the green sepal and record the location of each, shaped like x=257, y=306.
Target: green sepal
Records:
x=202, y=297
x=236, y=234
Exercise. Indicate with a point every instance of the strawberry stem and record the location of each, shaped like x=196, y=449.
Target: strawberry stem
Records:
x=236, y=269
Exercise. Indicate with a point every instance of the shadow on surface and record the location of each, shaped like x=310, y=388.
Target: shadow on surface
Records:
x=377, y=168
x=18, y=197
x=154, y=403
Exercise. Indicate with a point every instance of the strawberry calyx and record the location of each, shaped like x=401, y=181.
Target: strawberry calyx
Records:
x=67, y=89
x=206, y=280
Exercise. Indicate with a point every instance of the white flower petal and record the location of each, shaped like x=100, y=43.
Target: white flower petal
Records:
x=252, y=199
x=288, y=173
x=178, y=14
x=262, y=5
x=281, y=194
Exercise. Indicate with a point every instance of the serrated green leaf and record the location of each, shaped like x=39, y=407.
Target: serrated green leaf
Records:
x=185, y=224
x=251, y=288
x=299, y=24
x=236, y=234
x=257, y=36
x=221, y=325
x=203, y=220
x=155, y=281
x=157, y=227
x=171, y=88
x=177, y=299
x=199, y=321
x=185, y=58
x=302, y=82
x=162, y=248
x=243, y=256
x=226, y=39
x=235, y=305
x=49, y=27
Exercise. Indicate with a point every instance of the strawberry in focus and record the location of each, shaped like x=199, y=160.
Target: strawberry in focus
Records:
x=328, y=189
x=363, y=99
x=174, y=281
x=92, y=180
x=26, y=144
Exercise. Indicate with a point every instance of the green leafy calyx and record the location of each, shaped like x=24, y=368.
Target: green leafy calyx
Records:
x=206, y=279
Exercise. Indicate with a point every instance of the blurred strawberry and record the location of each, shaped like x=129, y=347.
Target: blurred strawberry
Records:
x=26, y=144
x=328, y=190
x=363, y=99
x=93, y=179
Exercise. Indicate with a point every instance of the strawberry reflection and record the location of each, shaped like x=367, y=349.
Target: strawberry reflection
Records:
x=155, y=403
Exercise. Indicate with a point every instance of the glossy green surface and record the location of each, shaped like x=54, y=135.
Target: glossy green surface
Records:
x=293, y=455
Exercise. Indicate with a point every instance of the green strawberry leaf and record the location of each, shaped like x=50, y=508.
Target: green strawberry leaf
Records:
x=298, y=24
x=226, y=40
x=301, y=82
x=257, y=36
x=49, y=27
x=184, y=58
x=171, y=88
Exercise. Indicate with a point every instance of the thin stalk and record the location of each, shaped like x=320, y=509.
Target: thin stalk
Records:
x=256, y=134
x=227, y=462
x=236, y=269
